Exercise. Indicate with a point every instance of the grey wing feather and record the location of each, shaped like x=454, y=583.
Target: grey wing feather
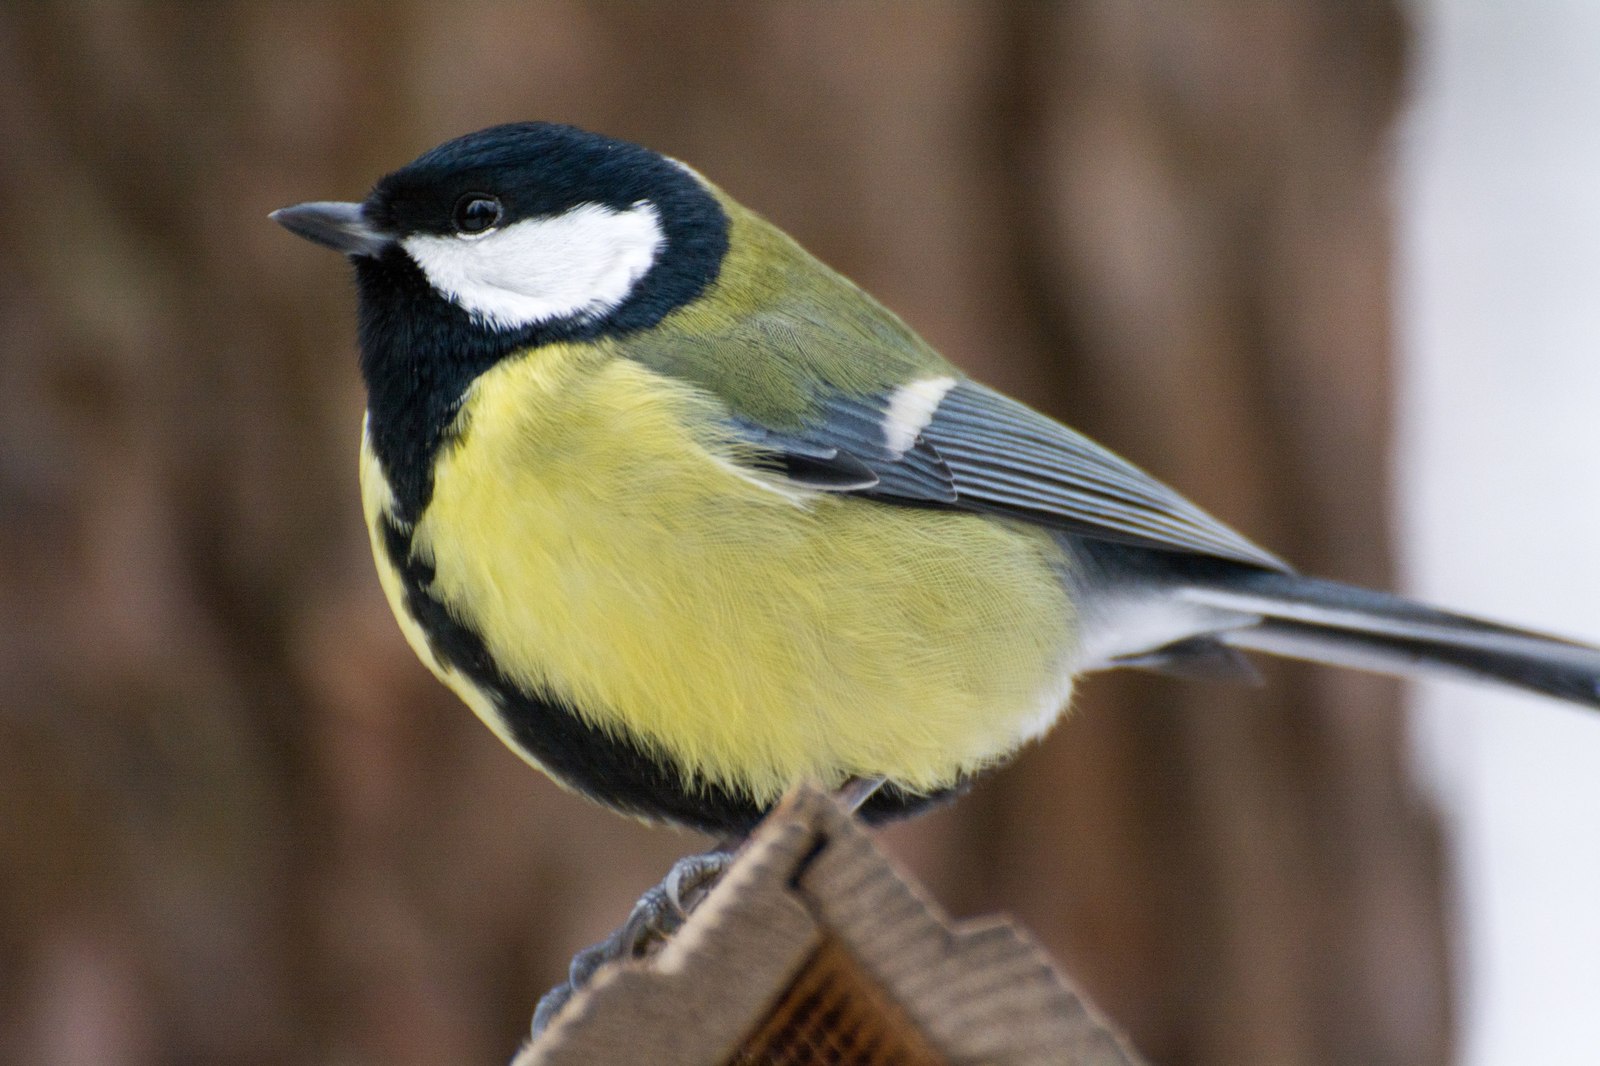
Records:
x=850, y=436
x=981, y=451
x=1005, y=455
x=807, y=461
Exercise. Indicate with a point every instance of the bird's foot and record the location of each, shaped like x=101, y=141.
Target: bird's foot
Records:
x=659, y=913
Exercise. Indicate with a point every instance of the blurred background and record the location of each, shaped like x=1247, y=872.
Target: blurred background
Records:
x=1327, y=267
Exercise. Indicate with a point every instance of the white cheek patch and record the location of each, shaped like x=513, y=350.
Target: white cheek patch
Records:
x=911, y=408
x=578, y=264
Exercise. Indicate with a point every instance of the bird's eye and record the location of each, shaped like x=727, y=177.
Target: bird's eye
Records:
x=476, y=212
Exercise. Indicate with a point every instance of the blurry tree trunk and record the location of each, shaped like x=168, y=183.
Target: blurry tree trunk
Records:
x=1198, y=197
x=237, y=821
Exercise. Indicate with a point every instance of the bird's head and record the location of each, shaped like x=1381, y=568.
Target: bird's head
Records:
x=528, y=231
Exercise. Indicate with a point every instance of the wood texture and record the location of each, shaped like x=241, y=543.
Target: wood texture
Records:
x=832, y=1014
x=812, y=950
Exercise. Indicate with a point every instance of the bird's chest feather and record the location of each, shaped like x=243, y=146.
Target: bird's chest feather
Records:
x=606, y=545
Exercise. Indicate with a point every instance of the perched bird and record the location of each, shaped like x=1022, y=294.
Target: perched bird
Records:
x=687, y=518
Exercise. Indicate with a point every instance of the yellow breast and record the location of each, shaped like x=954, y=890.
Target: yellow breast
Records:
x=602, y=541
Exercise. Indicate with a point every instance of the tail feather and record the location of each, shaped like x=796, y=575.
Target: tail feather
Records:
x=1323, y=621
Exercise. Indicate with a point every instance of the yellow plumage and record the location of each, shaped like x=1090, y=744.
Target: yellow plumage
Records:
x=608, y=549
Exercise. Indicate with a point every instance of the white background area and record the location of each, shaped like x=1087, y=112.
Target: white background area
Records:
x=1499, y=488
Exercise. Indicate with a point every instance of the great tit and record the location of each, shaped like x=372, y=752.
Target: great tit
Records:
x=687, y=518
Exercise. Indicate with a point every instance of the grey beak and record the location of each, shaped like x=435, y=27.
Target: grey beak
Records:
x=335, y=225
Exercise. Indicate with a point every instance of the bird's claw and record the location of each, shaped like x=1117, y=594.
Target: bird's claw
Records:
x=658, y=914
x=691, y=878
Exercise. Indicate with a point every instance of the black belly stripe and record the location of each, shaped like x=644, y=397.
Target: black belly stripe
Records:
x=611, y=768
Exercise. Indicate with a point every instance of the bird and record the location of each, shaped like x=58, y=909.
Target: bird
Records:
x=687, y=518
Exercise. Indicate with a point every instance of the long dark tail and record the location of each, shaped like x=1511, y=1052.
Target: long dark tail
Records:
x=1323, y=621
